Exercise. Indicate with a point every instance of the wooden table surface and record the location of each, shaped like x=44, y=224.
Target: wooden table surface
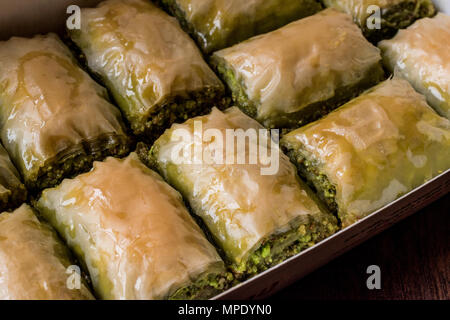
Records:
x=413, y=256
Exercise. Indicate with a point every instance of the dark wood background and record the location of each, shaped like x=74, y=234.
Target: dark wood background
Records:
x=413, y=256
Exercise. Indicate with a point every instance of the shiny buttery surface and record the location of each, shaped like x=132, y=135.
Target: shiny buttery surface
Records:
x=421, y=55
x=33, y=261
x=239, y=205
x=142, y=55
x=48, y=104
x=376, y=147
x=302, y=63
x=222, y=23
x=131, y=229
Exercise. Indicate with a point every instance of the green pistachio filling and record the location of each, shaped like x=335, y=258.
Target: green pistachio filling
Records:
x=316, y=179
x=78, y=160
x=275, y=248
x=205, y=287
x=239, y=28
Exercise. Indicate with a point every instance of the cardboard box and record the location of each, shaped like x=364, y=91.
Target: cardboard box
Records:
x=28, y=17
